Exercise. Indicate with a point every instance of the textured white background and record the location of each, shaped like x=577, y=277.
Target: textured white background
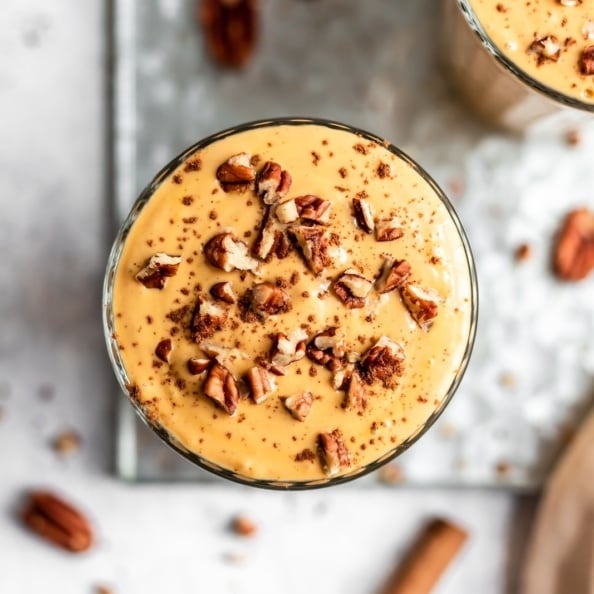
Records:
x=164, y=538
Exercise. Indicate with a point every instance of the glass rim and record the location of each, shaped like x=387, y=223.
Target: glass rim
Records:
x=486, y=41
x=120, y=370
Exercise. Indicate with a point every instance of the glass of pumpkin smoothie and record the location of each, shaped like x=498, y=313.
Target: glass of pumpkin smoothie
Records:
x=290, y=303
x=522, y=65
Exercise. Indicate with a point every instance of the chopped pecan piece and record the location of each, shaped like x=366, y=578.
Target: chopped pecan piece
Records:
x=314, y=209
x=383, y=362
x=287, y=212
x=334, y=455
x=220, y=386
x=196, y=366
x=272, y=239
x=273, y=183
x=570, y=2
x=546, y=48
x=163, y=350
x=261, y=384
x=574, y=250
x=228, y=252
x=356, y=396
x=394, y=274
x=352, y=288
x=588, y=30
x=421, y=304
x=237, y=174
x=388, y=229
x=327, y=348
x=288, y=349
x=157, y=270
x=363, y=212
x=266, y=299
x=223, y=292
x=314, y=244
x=209, y=317
x=587, y=61
x=299, y=405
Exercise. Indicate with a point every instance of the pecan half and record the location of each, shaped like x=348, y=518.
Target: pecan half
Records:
x=421, y=304
x=314, y=244
x=230, y=29
x=196, y=366
x=288, y=349
x=363, y=212
x=223, y=292
x=587, y=61
x=327, y=348
x=58, y=522
x=266, y=299
x=237, y=174
x=547, y=49
x=227, y=252
x=356, y=396
x=220, y=386
x=574, y=249
x=157, y=270
x=273, y=183
x=261, y=384
x=313, y=208
x=383, y=362
x=394, y=274
x=352, y=288
x=333, y=453
x=209, y=317
x=272, y=239
x=163, y=350
x=299, y=405
x=388, y=229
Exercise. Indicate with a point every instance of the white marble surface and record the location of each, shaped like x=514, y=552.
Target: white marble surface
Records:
x=150, y=538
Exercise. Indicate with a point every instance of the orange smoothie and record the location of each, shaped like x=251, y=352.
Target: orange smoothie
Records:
x=293, y=303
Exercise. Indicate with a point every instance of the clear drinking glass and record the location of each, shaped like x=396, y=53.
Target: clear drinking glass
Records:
x=120, y=369
x=497, y=90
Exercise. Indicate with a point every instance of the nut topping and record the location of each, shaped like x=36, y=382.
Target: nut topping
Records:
x=570, y=2
x=388, y=229
x=209, y=317
x=228, y=252
x=266, y=299
x=57, y=522
x=588, y=30
x=394, y=274
x=356, y=396
x=272, y=239
x=273, y=183
x=287, y=212
x=261, y=384
x=421, y=304
x=288, y=349
x=587, y=61
x=164, y=349
x=352, y=288
x=574, y=250
x=299, y=405
x=363, y=212
x=547, y=48
x=196, y=366
x=314, y=244
x=333, y=453
x=220, y=386
x=237, y=174
x=383, y=362
x=158, y=269
x=327, y=348
x=314, y=209
x=223, y=292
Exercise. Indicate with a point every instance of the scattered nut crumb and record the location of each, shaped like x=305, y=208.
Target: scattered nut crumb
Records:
x=573, y=137
x=523, y=252
x=243, y=526
x=67, y=442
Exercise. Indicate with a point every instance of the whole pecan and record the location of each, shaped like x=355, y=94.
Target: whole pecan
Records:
x=57, y=521
x=574, y=250
x=230, y=30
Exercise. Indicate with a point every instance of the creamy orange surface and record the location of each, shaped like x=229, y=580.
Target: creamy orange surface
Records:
x=370, y=410
x=550, y=40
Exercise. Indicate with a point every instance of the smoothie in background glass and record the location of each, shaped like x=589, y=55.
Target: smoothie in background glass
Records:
x=290, y=303
x=521, y=65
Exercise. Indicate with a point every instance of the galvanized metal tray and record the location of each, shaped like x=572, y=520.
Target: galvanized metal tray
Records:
x=375, y=65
